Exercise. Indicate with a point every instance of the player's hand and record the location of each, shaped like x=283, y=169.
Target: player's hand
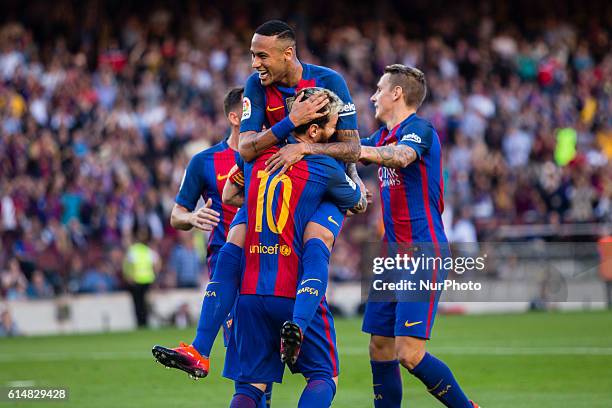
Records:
x=369, y=196
x=285, y=158
x=205, y=219
x=362, y=206
x=303, y=111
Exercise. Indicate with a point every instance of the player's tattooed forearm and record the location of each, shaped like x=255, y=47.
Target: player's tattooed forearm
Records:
x=348, y=136
x=254, y=146
x=345, y=151
x=395, y=156
x=352, y=138
x=351, y=170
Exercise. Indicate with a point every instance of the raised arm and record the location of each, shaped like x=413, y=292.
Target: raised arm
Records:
x=251, y=143
x=346, y=149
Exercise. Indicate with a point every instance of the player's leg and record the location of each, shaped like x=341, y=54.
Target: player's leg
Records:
x=219, y=299
x=257, y=322
x=379, y=321
x=319, y=237
x=413, y=327
x=318, y=393
x=221, y=291
x=247, y=395
x=266, y=401
x=231, y=368
x=313, y=283
x=432, y=372
x=318, y=362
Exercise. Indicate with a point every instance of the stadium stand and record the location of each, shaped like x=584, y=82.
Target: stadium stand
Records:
x=101, y=111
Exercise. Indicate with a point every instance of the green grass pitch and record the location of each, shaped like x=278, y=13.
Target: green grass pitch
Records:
x=533, y=360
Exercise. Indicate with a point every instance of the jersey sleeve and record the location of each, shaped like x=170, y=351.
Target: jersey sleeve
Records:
x=347, y=119
x=416, y=136
x=236, y=175
x=192, y=185
x=253, y=106
x=341, y=189
x=372, y=140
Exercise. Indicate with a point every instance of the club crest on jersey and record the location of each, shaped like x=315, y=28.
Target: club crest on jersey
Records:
x=411, y=137
x=246, y=108
x=388, y=177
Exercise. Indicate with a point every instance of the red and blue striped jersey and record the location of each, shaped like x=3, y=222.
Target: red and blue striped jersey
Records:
x=205, y=177
x=412, y=197
x=278, y=210
x=266, y=105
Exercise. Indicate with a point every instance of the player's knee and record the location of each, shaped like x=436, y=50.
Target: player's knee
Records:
x=314, y=230
x=253, y=391
x=382, y=348
x=260, y=387
x=410, y=354
x=331, y=383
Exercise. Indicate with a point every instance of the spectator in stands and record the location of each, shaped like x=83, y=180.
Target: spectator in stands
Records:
x=185, y=262
x=96, y=130
x=98, y=279
x=8, y=327
x=14, y=282
x=39, y=288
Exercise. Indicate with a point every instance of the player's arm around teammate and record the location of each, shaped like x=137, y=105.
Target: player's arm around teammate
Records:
x=409, y=152
x=274, y=57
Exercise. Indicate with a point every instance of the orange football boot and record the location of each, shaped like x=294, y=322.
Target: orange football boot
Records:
x=185, y=357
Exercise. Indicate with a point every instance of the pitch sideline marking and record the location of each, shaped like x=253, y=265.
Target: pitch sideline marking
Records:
x=347, y=351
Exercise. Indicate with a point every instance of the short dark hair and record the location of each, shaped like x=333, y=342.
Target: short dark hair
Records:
x=232, y=99
x=277, y=28
x=411, y=80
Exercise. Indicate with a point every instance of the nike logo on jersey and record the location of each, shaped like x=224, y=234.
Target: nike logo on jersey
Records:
x=311, y=279
x=269, y=109
x=408, y=324
x=330, y=219
x=222, y=177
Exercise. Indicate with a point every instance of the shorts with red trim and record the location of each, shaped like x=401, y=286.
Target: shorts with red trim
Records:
x=408, y=312
x=391, y=319
x=257, y=325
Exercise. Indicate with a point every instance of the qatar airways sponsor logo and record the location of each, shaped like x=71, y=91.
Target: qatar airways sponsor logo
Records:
x=389, y=177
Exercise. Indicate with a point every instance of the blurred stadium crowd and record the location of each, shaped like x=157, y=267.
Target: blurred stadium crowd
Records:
x=101, y=110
